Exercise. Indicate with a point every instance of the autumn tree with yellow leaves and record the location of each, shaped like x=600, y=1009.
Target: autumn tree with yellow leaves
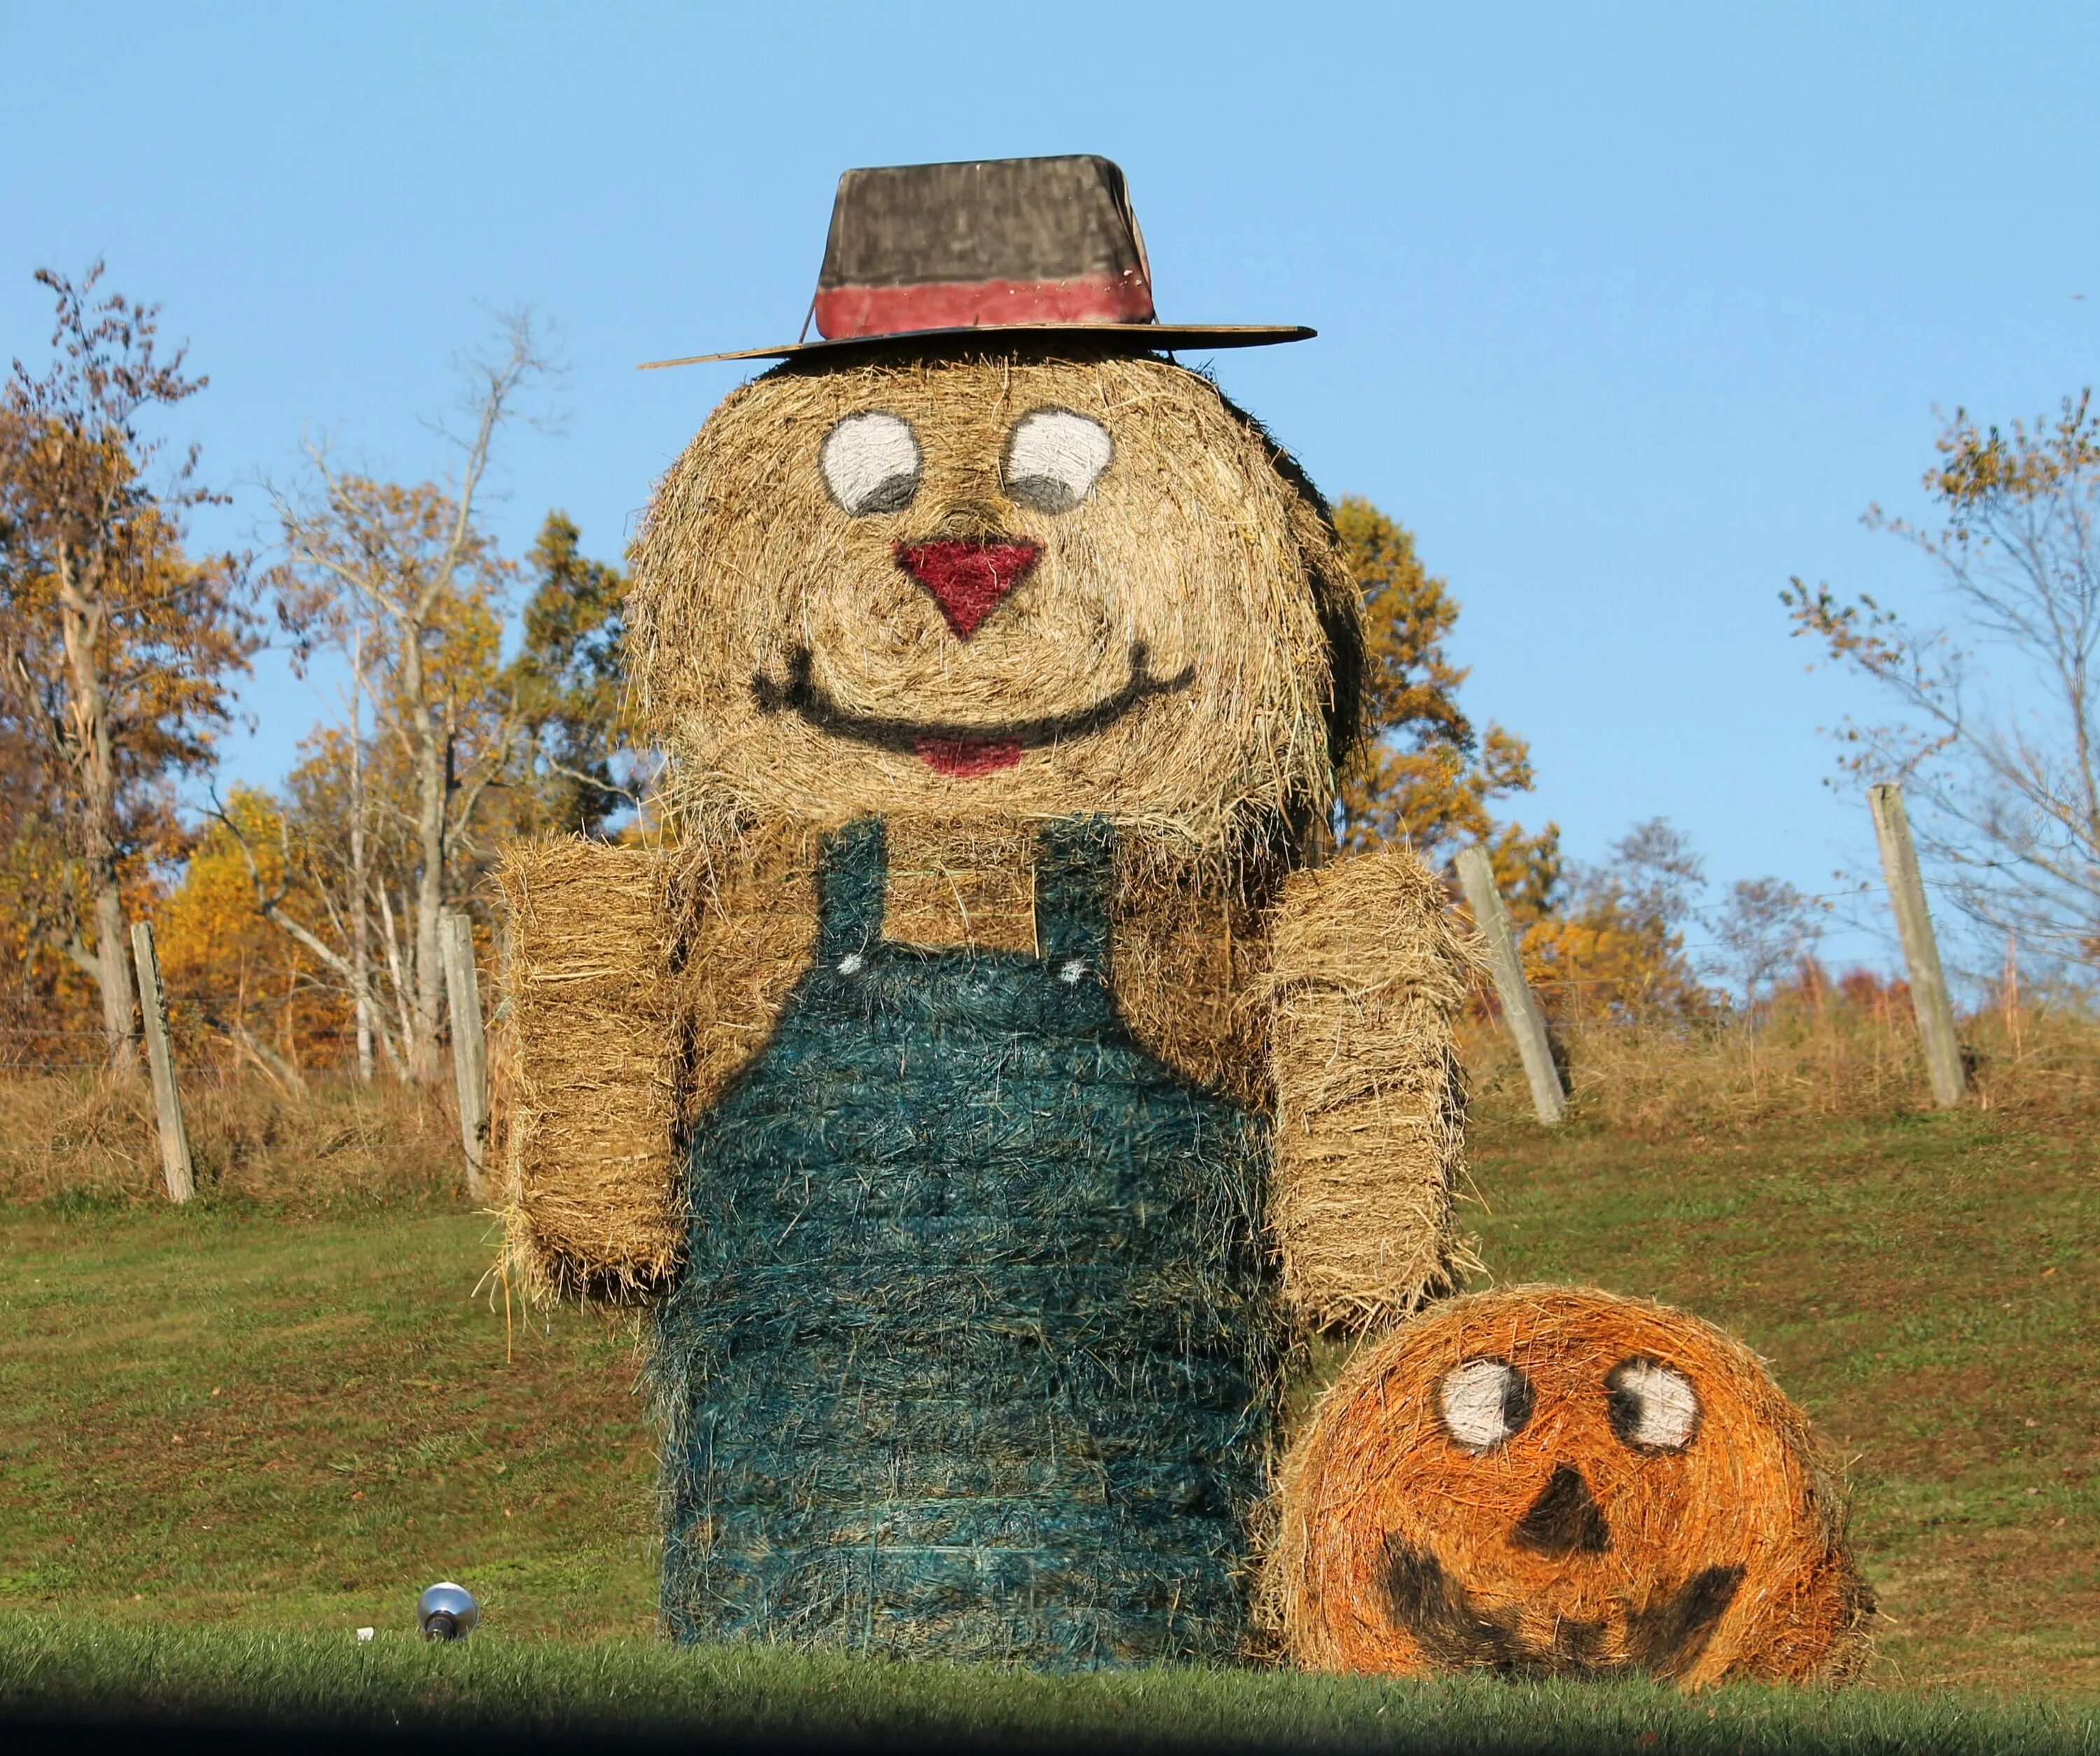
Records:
x=232, y=977
x=117, y=651
x=1605, y=942
x=1614, y=945
x=1425, y=774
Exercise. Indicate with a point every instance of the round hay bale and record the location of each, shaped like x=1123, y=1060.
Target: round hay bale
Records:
x=1174, y=644
x=1558, y=1481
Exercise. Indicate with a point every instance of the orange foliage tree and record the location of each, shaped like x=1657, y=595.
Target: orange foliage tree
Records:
x=116, y=650
x=1615, y=947
x=230, y=975
x=1425, y=774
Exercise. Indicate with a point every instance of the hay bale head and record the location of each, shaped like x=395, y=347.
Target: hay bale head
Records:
x=997, y=584
x=1557, y=1481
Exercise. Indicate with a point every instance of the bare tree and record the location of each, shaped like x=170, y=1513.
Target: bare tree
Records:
x=1766, y=927
x=406, y=581
x=1615, y=947
x=115, y=649
x=1655, y=869
x=1996, y=742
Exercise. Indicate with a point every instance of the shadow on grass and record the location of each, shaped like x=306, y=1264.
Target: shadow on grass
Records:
x=59, y=1670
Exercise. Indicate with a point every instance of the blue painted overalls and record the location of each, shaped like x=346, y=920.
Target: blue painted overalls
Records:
x=971, y=1355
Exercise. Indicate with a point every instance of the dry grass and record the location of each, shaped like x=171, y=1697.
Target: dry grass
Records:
x=1838, y=1060
x=89, y=1138
x=1713, y=1549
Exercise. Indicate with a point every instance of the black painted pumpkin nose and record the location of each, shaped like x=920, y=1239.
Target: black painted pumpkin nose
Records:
x=1565, y=1520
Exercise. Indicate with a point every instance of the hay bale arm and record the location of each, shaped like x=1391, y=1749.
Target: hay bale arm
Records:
x=590, y=1060
x=1367, y=975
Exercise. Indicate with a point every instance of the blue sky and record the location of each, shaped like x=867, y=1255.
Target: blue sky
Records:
x=1628, y=312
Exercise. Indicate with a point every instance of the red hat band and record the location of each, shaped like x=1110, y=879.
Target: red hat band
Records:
x=843, y=311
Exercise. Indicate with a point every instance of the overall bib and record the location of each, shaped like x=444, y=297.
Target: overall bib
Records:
x=972, y=1356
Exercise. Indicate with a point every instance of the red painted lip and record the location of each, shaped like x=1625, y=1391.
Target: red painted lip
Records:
x=968, y=580
x=966, y=758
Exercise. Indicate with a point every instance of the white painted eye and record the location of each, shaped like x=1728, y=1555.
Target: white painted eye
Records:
x=1053, y=457
x=1653, y=1407
x=871, y=463
x=1483, y=1402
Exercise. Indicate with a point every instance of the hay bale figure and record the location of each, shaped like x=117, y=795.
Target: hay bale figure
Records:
x=1550, y=1481
x=986, y=1037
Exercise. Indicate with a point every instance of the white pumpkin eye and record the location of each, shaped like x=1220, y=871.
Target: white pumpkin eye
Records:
x=871, y=463
x=1053, y=457
x=1653, y=1407
x=1483, y=1401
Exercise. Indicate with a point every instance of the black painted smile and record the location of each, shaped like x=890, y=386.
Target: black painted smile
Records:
x=800, y=693
x=1665, y=1639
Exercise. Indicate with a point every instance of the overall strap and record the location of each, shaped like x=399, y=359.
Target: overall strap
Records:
x=1074, y=869
x=851, y=878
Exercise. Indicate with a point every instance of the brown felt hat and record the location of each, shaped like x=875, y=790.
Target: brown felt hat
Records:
x=934, y=256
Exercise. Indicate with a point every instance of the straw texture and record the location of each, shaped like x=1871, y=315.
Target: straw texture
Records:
x=1521, y=1481
x=1182, y=656
x=1367, y=975
x=590, y=1070
x=928, y=1075
x=641, y=983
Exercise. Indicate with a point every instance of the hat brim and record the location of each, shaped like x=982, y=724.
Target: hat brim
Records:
x=1140, y=337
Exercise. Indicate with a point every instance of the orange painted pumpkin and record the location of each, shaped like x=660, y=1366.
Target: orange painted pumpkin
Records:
x=1555, y=1481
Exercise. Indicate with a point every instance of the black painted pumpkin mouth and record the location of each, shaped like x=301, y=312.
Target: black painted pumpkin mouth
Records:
x=1663, y=1638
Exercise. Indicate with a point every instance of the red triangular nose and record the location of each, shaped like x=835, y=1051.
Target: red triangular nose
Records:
x=967, y=579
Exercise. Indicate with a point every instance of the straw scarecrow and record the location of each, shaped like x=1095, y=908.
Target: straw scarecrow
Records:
x=1555, y=1481
x=984, y=1080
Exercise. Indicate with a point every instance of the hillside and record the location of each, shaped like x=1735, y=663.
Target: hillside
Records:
x=234, y=1415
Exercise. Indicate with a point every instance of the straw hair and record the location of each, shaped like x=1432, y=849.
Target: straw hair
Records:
x=1367, y=975
x=1402, y=1550
x=1198, y=577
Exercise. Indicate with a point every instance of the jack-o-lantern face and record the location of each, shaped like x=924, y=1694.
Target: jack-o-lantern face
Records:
x=1003, y=587
x=1555, y=1481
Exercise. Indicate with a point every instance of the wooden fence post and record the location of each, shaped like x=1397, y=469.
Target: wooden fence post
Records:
x=469, y=1047
x=1527, y=1023
x=176, y=1169
x=1928, y=982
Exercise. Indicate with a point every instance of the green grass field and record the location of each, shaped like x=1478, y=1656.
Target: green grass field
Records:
x=220, y=1422
x=500, y=1686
